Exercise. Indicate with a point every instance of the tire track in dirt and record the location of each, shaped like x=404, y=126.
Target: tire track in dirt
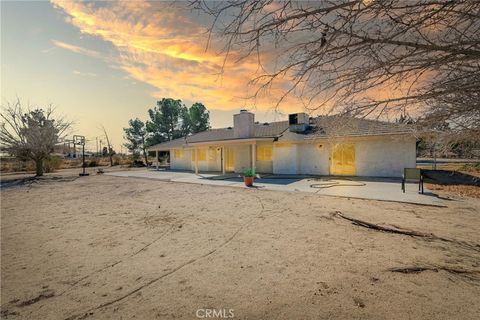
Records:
x=73, y=285
x=90, y=311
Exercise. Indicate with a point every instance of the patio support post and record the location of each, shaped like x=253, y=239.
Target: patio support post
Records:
x=156, y=158
x=196, y=160
x=253, y=155
x=223, y=160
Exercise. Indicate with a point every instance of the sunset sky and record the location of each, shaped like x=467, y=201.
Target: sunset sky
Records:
x=107, y=62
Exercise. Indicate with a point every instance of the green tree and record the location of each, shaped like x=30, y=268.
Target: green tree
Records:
x=171, y=119
x=164, y=123
x=136, y=135
x=195, y=119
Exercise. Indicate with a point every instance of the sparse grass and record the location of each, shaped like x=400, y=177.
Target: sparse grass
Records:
x=56, y=162
x=456, y=190
x=471, y=167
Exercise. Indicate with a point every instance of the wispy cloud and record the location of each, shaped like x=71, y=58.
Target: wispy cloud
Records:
x=161, y=45
x=76, y=49
x=48, y=50
x=87, y=74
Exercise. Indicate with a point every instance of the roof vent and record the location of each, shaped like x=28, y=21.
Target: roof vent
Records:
x=298, y=122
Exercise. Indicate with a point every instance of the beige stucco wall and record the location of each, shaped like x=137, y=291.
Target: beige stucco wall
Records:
x=385, y=157
x=242, y=157
x=183, y=163
x=313, y=158
x=285, y=158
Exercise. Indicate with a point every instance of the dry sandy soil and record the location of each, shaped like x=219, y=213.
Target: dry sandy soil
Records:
x=104, y=247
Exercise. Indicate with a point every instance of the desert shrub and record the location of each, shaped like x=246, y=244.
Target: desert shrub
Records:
x=93, y=163
x=52, y=163
x=71, y=163
x=30, y=166
x=8, y=164
x=138, y=163
x=471, y=167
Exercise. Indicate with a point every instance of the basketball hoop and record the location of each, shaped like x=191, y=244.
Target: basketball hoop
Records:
x=80, y=140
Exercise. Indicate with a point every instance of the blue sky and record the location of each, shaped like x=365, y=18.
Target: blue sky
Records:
x=103, y=63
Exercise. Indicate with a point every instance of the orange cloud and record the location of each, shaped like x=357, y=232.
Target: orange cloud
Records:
x=161, y=45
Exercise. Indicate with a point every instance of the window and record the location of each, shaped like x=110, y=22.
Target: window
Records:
x=264, y=152
x=178, y=153
x=202, y=154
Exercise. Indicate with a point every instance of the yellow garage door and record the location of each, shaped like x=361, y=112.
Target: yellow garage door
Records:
x=229, y=159
x=343, y=160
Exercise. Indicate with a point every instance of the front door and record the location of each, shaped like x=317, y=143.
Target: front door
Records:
x=229, y=159
x=342, y=161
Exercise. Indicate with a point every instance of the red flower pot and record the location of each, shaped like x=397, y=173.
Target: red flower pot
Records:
x=248, y=181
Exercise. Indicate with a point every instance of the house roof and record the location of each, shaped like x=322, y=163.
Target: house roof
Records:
x=320, y=127
x=342, y=126
x=261, y=130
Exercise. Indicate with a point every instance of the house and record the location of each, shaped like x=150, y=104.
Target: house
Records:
x=325, y=145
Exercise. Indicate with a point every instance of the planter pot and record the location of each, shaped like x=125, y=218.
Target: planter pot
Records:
x=248, y=181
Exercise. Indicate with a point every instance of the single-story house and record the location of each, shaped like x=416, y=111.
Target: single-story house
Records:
x=324, y=145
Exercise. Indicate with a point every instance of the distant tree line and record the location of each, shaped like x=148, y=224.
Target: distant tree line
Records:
x=439, y=139
x=169, y=119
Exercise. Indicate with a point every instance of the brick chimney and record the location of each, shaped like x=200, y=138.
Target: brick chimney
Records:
x=243, y=124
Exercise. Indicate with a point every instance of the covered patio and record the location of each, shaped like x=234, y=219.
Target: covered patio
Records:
x=221, y=156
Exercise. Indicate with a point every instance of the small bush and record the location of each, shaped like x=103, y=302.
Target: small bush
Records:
x=52, y=163
x=138, y=163
x=30, y=166
x=93, y=163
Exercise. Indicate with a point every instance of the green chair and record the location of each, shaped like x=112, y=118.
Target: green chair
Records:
x=412, y=175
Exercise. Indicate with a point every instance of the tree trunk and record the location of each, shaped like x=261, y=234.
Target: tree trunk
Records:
x=144, y=152
x=39, y=167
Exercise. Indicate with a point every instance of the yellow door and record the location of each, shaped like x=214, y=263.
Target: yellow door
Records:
x=343, y=160
x=229, y=159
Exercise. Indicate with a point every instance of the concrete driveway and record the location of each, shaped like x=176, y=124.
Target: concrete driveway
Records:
x=363, y=188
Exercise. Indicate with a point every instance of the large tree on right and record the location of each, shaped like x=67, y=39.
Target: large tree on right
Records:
x=364, y=57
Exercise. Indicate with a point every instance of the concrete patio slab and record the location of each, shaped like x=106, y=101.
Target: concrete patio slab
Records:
x=361, y=188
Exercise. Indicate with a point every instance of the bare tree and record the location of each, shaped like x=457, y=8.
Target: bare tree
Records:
x=31, y=134
x=364, y=57
x=110, y=149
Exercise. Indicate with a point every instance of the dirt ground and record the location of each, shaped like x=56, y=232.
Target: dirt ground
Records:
x=103, y=247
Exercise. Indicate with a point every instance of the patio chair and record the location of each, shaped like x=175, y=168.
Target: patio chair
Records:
x=412, y=175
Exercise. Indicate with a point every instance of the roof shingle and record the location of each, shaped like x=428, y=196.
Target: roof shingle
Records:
x=320, y=127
